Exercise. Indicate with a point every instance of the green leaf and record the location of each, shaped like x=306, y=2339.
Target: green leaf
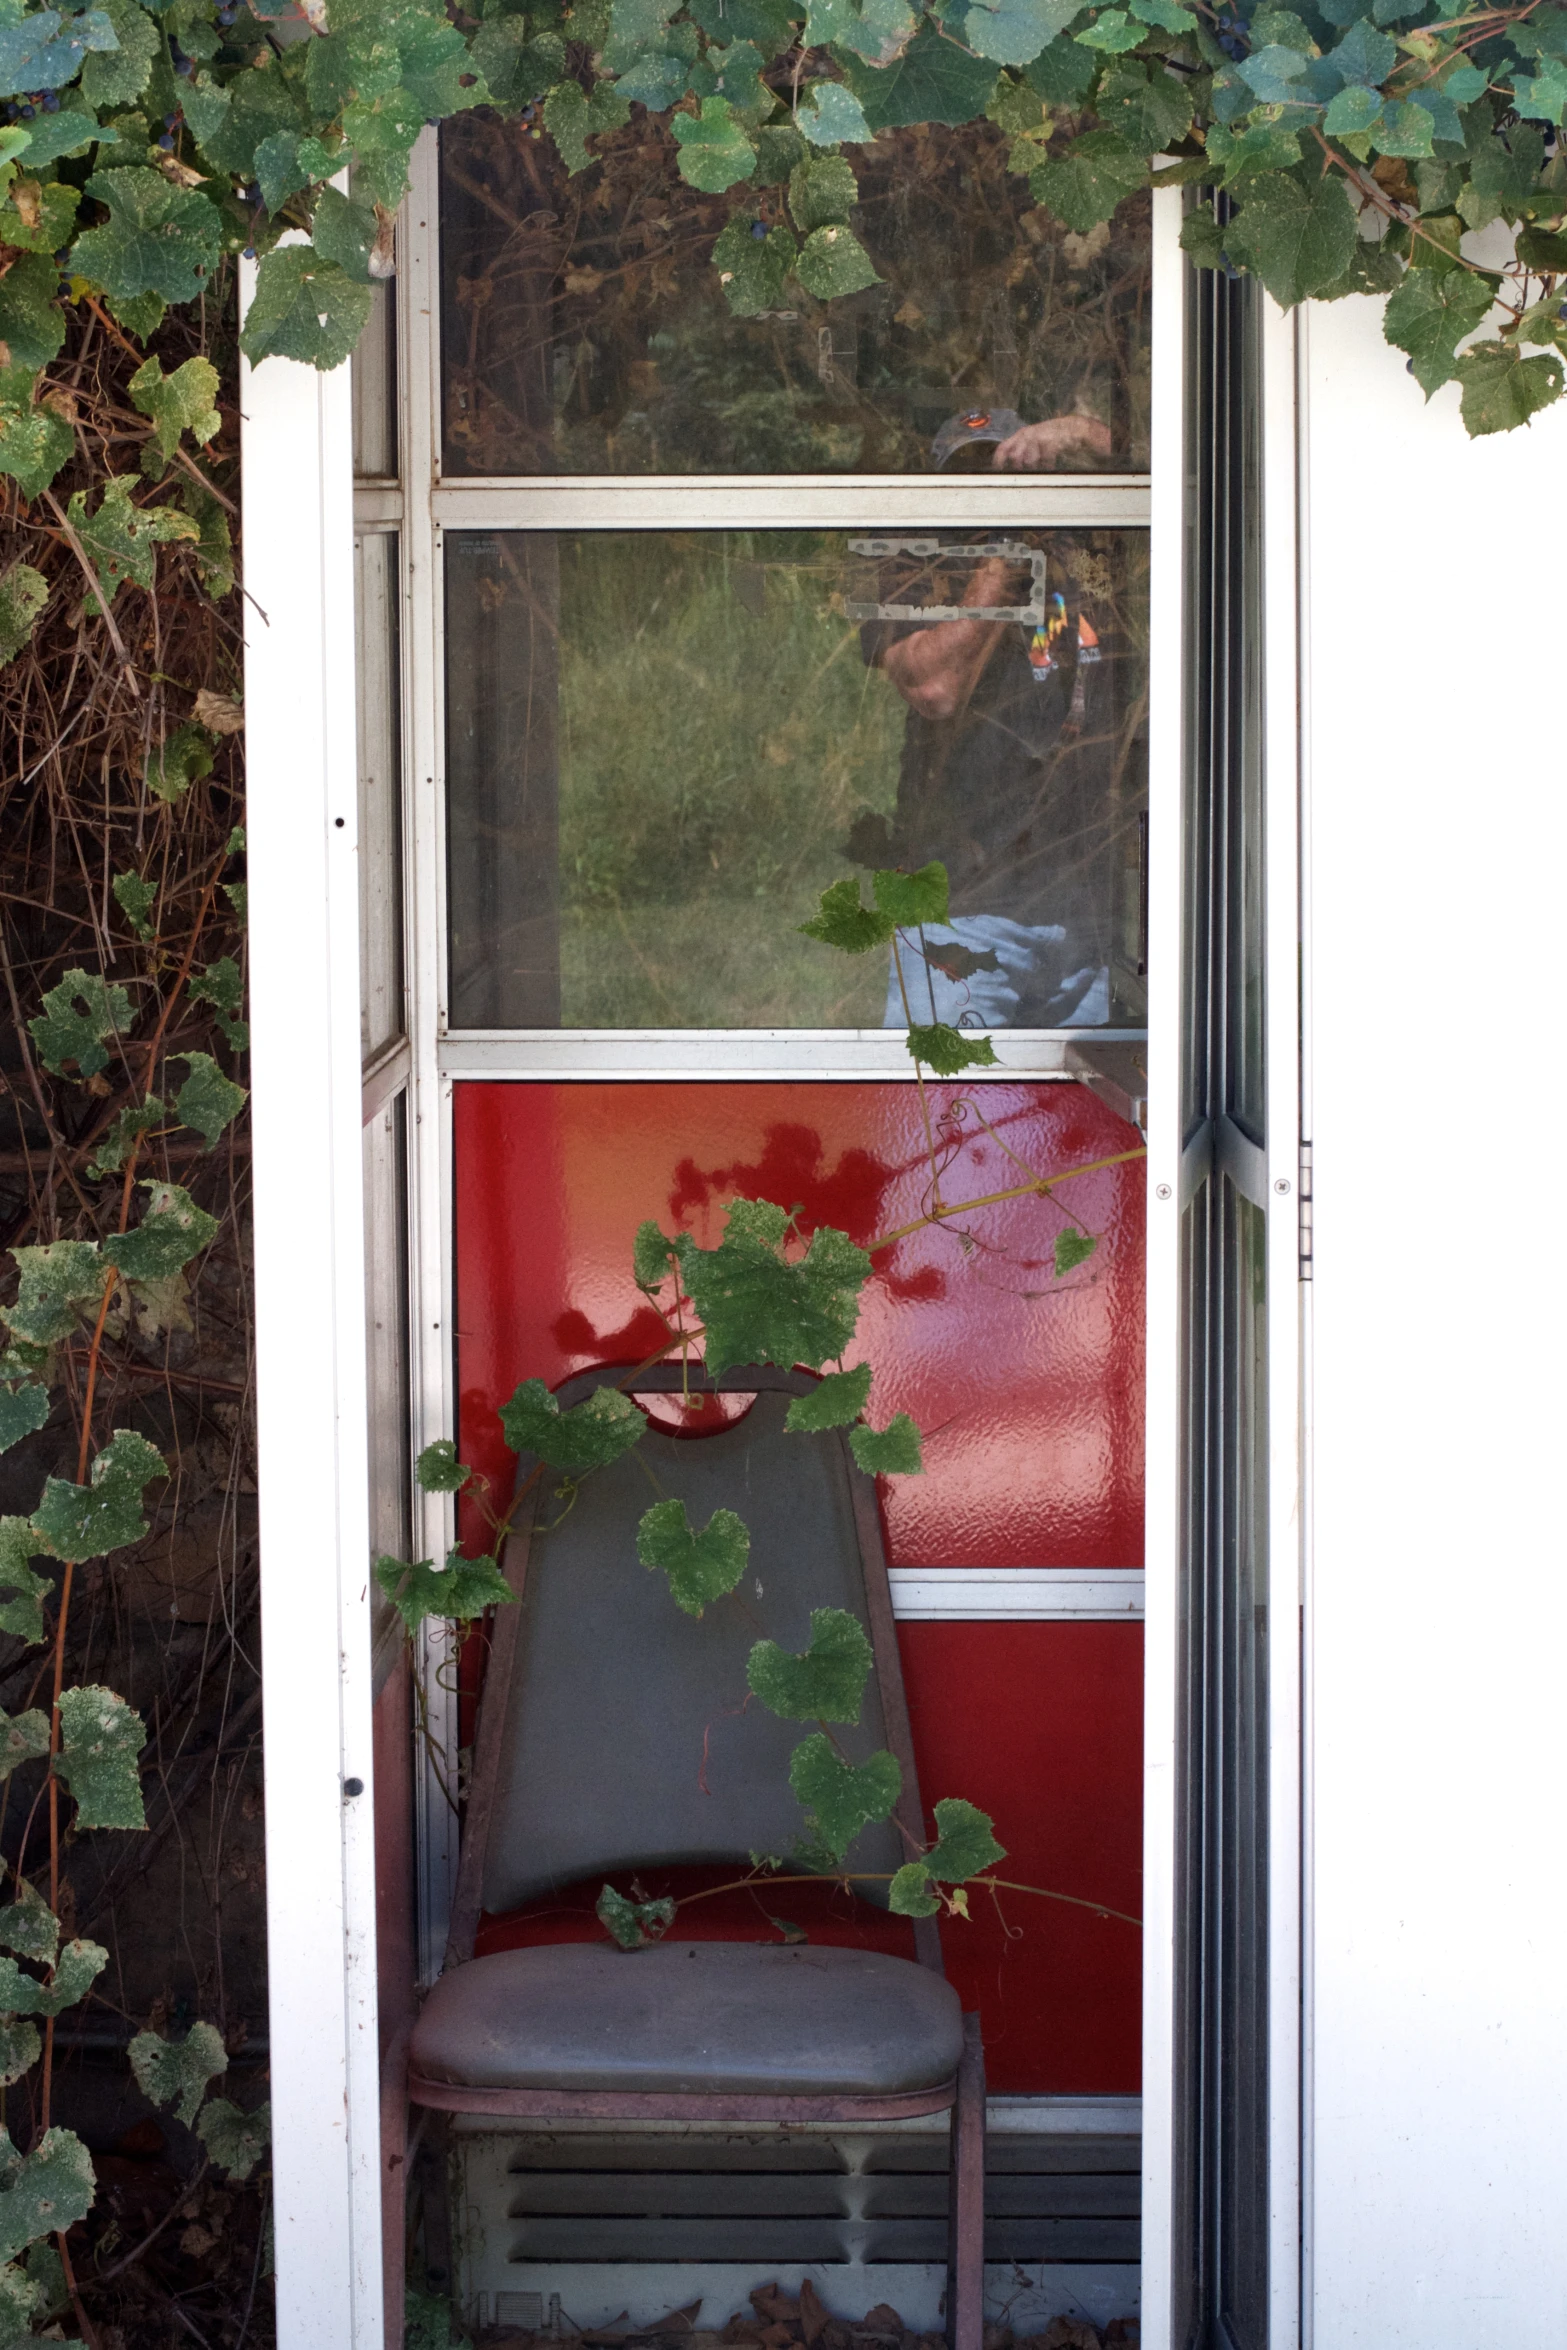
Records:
x=909, y=1895
x=1544, y=250
x=122, y=538
x=766, y=22
x=752, y=269
x=832, y=261
x=934, y=80
x=759, y=1306
x=49, y=136
x=57, y=1277
x=23, y=1410
x=1501, y=390
x=304, y=308
x=1149, y=107
x=714, y=151
x=965, y=1843
x=1295, y=242
x=207, y=1100
x=20, y=2047
x=345, y=230
x=1501, y=178
x=1013, y=32
x=214, y=546
x=946, y=1050
x=833, y=116
x=846, y=924
x=1353, y=112
x=31, y=326
x=589, y=1436
x=1364, y=54
x=633, y=1924
x=23, y=595
x=779, y=147
x=1112, y=30
x=278, y=169
x=44, y=2192
x=834, y=1402
x=824, y=1683
x=822, y=192
x=439, y=1470
x=21, y=1609
x=235, y=2141
x=1542, y=97
x=135, y=899
x=100, y=1738
x=171, y=2072
x=1084, y=185
x=572, y=119
x=1073, y=1248
x=1166, y=14
x=516, y=70
x=876, y=30
x=172, y=1231
x=113, y=77
x=911, y=898
x=78, y=1522
x=839, y=1798
x=114, y=1145
x=158, y=239
x=29, y=1926
x=456, y=1593
x=80, y=1014
x=34, y=444
x=1429, y=313
x=652, y=1254
x=182, y=402
x=1405, y=130
x=1275, y=75
x=222, y=986
x=36, y=54
x=700, y=1567
x=893, y=1451
x=23, y=1738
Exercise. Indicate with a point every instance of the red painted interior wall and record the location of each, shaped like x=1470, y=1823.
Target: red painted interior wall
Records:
x=1029, y=1390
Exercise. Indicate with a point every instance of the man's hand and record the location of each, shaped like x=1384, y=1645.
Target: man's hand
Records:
x=1045, y=444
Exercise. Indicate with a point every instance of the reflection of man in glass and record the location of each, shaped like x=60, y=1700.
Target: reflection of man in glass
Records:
x=1008, y=754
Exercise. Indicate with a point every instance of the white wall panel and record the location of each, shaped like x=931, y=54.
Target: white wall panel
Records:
x=1434, y=628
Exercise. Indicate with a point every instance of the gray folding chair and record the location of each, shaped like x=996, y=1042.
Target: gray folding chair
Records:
x=613, y=1737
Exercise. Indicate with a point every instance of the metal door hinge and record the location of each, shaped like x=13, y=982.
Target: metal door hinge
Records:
x=1304, y=1199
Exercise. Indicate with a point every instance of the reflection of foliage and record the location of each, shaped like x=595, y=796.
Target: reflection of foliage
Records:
x=593, y=335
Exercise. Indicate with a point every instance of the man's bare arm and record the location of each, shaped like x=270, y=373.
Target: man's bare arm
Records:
x=936, y=669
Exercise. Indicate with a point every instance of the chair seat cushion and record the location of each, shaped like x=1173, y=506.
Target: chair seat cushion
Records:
x=698, y=2018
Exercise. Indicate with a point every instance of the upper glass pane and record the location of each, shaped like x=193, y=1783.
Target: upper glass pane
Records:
x=662, y=746
x=587, y=332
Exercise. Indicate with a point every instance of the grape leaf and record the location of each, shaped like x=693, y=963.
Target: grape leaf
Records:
x=23, y=595
x=1084, y=185
x=182, y=402
x=78, y=1968
x=834, y=116
x=1353, y=112
x=207, y=1100
x=100, y=1738
x=34, y=444
x=1500, y=389
x=122, y=538
x=1295, y=242
x=1430, y=312
x=173, y=765
x=439, y=1470
x=114, y=1145
x=946, y=1050
x=589, y=1436
x=1112, y=31
x=834, y=1402
x=516, y=70
x=135, y=899
x=29, y=1926
x=1151, y=108
x=893, y=1451
x=1014, y=31
x=822, y=192
x=23, y=1738
x=304, y=308
x=21, y=1610
x=1073, y=1248
x=214, y=546
x=910, y=1895
x=758, y=1306
x=222, y=986
x=932, y=80
x=172, y=1231
x=700, y=1566
x=965, y=1842
x=877, y=30
x=346, y=231
x=19, y=2051
x=80, y=1014
x=845, y=924
x=839, y=1798
x=31, y=326
x=235, y=2141
x=571, y=118
x=23, y=1410
x=49, y=136
x=455, y=1593
x=911, y=898
x=113, y=77
x=45, y=2192
x=158, y=239
x=651, y=1254
x=633, y=1924
x=832, y=262
x=176, y=2072
x=80, y=1522
x=57, y=1277
x=714, y=151
x=822, y=1684
x=752, y=268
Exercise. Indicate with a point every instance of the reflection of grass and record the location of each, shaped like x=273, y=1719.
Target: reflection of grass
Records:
x=718, y=734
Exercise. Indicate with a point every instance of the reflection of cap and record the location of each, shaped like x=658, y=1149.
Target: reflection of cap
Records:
x=971, y=425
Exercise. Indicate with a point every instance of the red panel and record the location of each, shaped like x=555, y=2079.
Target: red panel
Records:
x=1030, y=1393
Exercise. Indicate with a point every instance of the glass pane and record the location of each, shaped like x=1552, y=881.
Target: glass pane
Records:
x=663, y=746
x=586, y=330
x=385, y=1155
x=374, y=367
x=380, y=794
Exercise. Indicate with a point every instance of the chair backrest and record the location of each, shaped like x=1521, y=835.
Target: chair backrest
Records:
x=616, y=1731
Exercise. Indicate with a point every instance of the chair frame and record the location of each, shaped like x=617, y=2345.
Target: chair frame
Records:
x=963, y=2095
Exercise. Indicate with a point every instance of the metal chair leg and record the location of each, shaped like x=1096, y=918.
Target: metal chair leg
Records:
x=966, y=2199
